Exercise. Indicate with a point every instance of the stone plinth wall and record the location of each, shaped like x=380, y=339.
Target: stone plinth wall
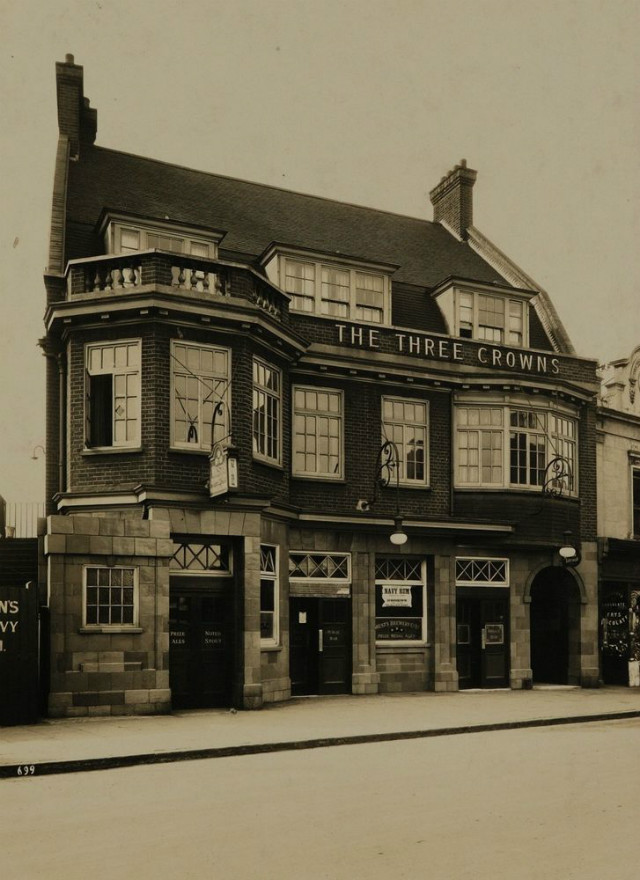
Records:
x=108, y=669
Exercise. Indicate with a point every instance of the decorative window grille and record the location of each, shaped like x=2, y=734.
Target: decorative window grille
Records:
x=320, y=566
x=400, y=569
x=195, y=557
x=472, y=571
x=110, y=596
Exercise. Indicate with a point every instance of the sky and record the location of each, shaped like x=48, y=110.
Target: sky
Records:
x=364, y=101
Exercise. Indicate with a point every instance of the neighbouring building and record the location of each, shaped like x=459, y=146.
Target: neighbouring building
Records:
x=618, y=460
x=297, y=446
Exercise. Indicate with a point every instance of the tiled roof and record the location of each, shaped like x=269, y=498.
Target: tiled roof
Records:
x=254, y=215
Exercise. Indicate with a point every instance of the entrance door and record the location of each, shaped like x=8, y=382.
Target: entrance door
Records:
x=320, y=646
x=200, y=647
x=483, y=642
x=549, y=629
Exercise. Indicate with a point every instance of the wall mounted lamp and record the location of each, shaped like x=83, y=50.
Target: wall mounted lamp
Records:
x=387, y=466
x=34, y=454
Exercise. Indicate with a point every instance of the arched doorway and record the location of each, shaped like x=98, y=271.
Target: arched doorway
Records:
x=555, y=627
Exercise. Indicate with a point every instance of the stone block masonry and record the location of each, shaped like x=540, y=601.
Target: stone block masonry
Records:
x=108, y=668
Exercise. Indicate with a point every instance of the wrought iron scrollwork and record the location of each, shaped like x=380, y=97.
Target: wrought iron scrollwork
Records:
x=388, y=465
x=558, y=477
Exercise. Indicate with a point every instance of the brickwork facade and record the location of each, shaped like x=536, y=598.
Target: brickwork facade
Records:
x=285, y=581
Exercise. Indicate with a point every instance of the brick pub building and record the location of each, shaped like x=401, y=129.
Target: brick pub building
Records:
x=297, y=446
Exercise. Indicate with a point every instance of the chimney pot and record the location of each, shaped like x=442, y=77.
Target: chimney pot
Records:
x=68, y=59
x=452, y=199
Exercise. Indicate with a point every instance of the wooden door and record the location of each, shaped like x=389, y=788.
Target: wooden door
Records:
x=201, y=648
x=320, y=646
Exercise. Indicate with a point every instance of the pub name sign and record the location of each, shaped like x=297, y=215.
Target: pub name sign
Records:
x=440, y=349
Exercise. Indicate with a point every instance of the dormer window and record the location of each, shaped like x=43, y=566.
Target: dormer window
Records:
x=322, y=286
x=127, y=236
x=491, y=318
x=499, y=317
x=335, y=291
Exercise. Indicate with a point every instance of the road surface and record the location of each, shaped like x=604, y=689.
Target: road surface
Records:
x=554, y=803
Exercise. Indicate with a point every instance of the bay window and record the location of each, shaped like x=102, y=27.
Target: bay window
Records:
x=512, y=447
x=199, y=382
x=267, y=383
x=112, y=389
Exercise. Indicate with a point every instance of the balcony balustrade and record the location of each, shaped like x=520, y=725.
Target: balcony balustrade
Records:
x=211, y=279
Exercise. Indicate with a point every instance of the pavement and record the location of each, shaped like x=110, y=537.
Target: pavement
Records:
x=82, y=744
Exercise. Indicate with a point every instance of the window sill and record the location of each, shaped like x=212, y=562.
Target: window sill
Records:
x=405, y=647
x=268, y=463
x=319, y=479
x=512, y=490
x=270, y=648
x=184, y=451
x=110, y=450
x=110, y=630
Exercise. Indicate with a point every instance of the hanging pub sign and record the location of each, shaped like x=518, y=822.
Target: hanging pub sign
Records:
x=223, y=470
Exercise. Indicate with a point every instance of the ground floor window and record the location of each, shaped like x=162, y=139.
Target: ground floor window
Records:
x=110, y=596
x=400, y=589
x=268, y=594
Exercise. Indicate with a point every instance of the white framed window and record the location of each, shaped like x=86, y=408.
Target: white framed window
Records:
x=494, y=318
x=200, y=376
x=476, y=571
x=267, y=408
x=128, y=238
x=269, y=595
x=512, y=446
x=318, y=433
x=527, y=448
x=110, y=596
x=406, y=422
x=400, y=600
x=112, y=394
x=336, y=291
x=328, y=567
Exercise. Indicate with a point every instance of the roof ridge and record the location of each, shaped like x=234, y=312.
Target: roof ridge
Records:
x=266, y=185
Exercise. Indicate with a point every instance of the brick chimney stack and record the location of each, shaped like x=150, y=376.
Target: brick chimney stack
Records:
x=452, y=199
x=76, y=119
